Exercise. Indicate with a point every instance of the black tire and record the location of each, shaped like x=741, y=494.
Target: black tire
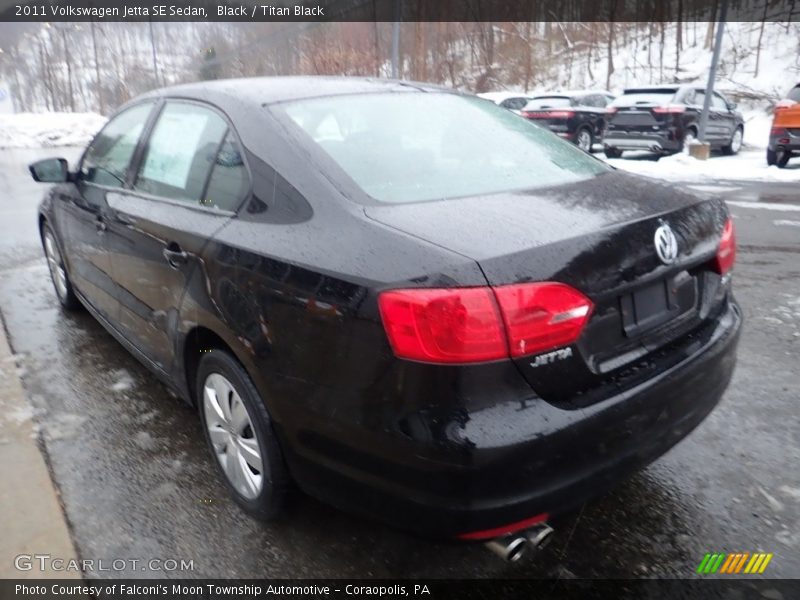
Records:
x=779, y=158
x=613, y=152
x=66, y=294
x=782, y=158
x=268, y=504
x=730, y=150
x=772, y=157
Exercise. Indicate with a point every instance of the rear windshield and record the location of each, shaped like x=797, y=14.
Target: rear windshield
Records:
x=794, y=93
x=541, y=102
x=410, y=147
x=634, y=97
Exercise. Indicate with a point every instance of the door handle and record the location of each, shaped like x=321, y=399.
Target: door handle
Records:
x=174, y=255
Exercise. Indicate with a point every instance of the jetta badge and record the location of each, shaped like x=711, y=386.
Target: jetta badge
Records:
x=666, y=244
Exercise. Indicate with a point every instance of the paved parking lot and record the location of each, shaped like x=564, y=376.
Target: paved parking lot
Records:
x=137, y=481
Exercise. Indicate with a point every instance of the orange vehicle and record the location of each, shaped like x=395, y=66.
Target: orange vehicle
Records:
x=784, y=137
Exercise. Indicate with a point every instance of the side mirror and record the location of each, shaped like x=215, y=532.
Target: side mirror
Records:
x=50, y=170
x=731, y=105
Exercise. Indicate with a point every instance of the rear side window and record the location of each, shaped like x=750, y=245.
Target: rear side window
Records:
x=634, y=97
x=109, y=155
x=794, y=94
x=229, y=181
x=594, y=100
x=719, y=102
x=514, y=103
x=181, y=151
x=698, y=98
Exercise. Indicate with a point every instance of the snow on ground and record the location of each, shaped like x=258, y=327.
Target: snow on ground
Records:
x=44, y=130
x=756, y=128
x=748, y=165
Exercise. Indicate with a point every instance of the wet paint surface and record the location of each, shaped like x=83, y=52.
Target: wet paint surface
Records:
x=138, y=482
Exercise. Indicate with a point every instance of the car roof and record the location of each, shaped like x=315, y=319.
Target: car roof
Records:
x=656, y=88
x=269, y=90
x=570, y=93
x=500, y=96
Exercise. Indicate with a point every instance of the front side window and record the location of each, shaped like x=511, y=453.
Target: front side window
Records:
x=407, y=147
x=109, y=155
x=719, y=102
x=181, y=152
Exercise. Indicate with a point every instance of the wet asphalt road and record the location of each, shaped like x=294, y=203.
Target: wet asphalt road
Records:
x=137, y=481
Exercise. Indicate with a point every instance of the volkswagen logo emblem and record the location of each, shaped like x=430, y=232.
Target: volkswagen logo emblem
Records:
x=666, y=244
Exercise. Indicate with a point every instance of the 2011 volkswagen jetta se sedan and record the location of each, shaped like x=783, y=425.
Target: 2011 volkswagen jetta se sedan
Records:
x=411, y=302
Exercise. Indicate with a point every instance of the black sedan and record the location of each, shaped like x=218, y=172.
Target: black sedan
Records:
x=460, y=330
x=577, y=116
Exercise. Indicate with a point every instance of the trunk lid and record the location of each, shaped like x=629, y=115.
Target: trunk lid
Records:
x=549, y=111
x=597, y=236
x=641, y=111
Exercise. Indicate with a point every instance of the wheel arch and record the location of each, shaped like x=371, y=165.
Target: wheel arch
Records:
x=586, y=127
x=198, y=340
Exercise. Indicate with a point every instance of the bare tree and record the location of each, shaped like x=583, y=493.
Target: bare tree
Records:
x=760, y=37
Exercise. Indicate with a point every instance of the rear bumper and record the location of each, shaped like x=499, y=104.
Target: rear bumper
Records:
x=789, y=141
x=653, y=143
x=562, y=130
x=510, y=460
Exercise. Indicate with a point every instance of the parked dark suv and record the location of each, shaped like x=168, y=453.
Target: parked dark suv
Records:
x=577, y=116
x=665, y=118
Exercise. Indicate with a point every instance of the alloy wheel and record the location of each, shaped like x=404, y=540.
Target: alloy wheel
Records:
x=233, y=436
x=736, y=141
x=584, y=140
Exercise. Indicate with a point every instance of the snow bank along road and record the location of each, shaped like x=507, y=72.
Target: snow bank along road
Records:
x=137, y=482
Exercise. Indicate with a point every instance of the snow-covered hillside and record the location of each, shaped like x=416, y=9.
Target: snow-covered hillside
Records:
x=755, y=79
x=744, y=72
x=43, y=130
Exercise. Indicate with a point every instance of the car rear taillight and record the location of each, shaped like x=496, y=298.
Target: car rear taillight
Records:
x=541, y=316
x=466, y=325
x=456, y=325
x=672, y=109
x=561, y=114
x=726, y=253
x=781, y=133
x=548, y=114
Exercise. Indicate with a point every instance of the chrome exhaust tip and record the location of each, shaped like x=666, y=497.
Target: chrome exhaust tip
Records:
x=509, y=548
x=540, y=535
